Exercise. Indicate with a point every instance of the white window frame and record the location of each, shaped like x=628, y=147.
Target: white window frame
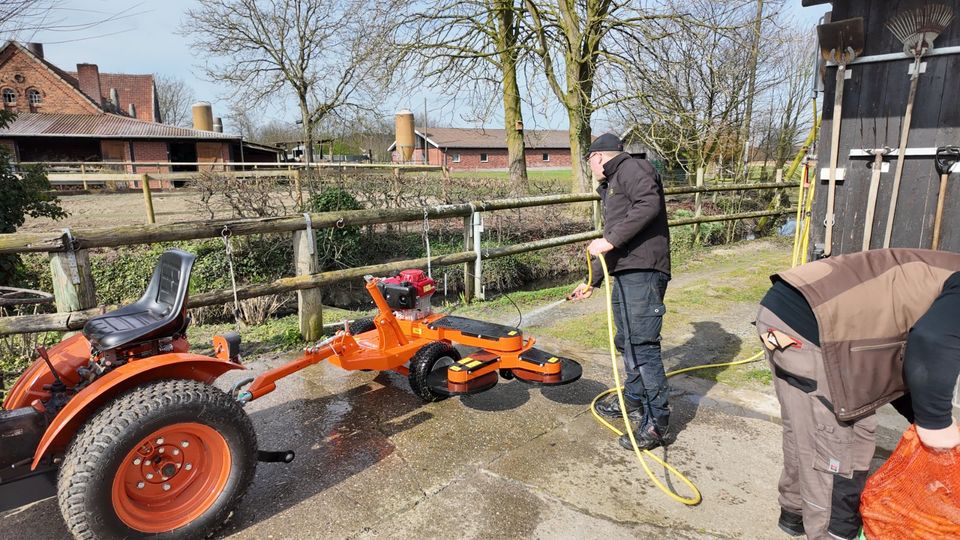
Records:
x=484, y=157
x=10, y=91
x=545, y=156
x=455, y=157
x=34, y=92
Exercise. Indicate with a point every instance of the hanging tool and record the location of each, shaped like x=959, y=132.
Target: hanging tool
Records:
x=916, y=29
x=840, y=42
x=947, y=157
x=878, y=154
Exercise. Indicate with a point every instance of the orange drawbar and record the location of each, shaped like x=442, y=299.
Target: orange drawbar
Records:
x=915, y=494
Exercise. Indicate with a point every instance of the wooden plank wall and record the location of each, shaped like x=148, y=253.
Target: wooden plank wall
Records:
x=874, y=102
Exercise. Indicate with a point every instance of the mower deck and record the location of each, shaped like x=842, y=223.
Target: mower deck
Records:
x=400, y=344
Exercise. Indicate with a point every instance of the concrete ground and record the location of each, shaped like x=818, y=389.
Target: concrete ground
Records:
x=373, y=461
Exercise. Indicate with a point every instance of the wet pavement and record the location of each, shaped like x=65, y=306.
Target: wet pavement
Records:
x=516, y=461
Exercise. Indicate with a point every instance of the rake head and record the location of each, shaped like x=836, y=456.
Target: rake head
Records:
x=917, y=28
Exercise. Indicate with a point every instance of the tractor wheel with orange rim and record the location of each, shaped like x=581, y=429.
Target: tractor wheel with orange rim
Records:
x=170, y=459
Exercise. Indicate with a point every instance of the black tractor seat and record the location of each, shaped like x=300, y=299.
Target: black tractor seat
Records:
x=161, y=311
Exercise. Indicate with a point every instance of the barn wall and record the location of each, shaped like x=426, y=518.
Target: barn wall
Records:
x=874, y=101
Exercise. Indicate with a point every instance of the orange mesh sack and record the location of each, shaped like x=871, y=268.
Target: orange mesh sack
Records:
x=915, y=494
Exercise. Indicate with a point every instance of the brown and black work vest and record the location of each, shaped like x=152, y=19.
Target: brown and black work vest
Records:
x=865, y=304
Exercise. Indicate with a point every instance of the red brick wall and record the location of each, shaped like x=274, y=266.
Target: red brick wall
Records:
x=57, y=95
x=497, y=158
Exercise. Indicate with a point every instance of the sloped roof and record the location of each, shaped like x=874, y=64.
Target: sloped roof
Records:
x=102, y=126
x=494, y=138
x=136, y=89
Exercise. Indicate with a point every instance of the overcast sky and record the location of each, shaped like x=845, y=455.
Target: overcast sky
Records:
x=145, y=41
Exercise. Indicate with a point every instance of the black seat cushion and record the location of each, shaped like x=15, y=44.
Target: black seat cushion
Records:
x=160, y=312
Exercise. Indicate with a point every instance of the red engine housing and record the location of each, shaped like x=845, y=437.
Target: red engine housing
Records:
x=416, y=278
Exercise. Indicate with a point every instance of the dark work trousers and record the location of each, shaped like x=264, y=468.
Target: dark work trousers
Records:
x=638, y=314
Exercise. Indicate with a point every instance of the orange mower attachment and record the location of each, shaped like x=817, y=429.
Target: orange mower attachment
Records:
x=408, y=338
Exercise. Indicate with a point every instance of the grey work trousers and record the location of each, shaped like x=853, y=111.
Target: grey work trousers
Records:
x=825, y=461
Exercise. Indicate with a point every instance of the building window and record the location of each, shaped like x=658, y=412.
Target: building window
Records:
x=483, y=157
x=34, y=97
x=455, y=157
x=546, y=156
x=9, y=96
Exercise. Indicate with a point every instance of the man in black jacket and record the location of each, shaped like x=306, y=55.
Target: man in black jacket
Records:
x=636, y=246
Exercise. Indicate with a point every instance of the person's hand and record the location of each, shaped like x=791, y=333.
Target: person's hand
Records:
x=582, y=292
x=599, y=247
x=940, y=439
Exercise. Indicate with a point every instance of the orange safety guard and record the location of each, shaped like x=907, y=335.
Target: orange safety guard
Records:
x=136, y=372
x=66, y=357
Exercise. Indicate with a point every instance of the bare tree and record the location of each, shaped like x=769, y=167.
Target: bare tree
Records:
x=175, y=99
x=687, y=90
x=323, y=52
x=472, y=47
x=579, y=44
x=23, y=19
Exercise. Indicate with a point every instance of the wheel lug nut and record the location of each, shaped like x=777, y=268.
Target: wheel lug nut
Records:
x=160, y=440
x=176, y=452
x=166, y=487
x=160, y=451
x=149, y=476
x=184, y=444
x=147, y=462
x=137, y=461
x=188, y=466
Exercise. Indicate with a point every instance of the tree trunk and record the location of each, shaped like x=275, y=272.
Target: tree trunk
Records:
x=513, y=124
x=579, y=145
x=512, y=112
x=307, y=131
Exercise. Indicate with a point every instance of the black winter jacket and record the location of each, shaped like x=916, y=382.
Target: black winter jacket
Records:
x=634, y=217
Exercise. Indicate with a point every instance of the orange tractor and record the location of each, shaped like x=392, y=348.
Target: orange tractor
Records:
x=123, y=425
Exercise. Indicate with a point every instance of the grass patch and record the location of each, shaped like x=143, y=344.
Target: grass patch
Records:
x=280, y=334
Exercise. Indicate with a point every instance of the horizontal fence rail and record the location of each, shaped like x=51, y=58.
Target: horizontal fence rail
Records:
x=74, y=244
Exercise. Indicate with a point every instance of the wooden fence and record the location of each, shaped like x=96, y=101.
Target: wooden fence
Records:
x=75, y=291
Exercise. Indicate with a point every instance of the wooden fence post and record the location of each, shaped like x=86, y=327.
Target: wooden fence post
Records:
x=467, y=267
x=297, y=186
x=83, y=176
x=73, y=287
x=698, y=206
x=478, y=264
x=147, y=197
x=309, y=301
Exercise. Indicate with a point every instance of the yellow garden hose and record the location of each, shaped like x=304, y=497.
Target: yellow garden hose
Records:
x=618, y=388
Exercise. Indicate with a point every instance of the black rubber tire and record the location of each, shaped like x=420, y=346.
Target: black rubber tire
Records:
x=423, y=363
x=507, y=374
x=84, y=485
x=360, y=326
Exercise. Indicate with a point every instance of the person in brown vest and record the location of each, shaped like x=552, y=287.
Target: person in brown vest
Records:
x=844, y=336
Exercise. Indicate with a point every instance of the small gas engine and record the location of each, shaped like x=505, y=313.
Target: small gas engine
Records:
x=408, y=294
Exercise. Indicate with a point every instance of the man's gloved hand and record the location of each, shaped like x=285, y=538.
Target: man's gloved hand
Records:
x=582, y=292
x=940, y=439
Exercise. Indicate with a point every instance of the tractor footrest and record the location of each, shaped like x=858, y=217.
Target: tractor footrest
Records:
x=474, y=328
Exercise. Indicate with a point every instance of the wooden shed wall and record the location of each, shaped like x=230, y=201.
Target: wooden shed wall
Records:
x=874, y=101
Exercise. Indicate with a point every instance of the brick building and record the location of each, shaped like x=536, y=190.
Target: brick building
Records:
x=88, y=116
x=479, y=149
